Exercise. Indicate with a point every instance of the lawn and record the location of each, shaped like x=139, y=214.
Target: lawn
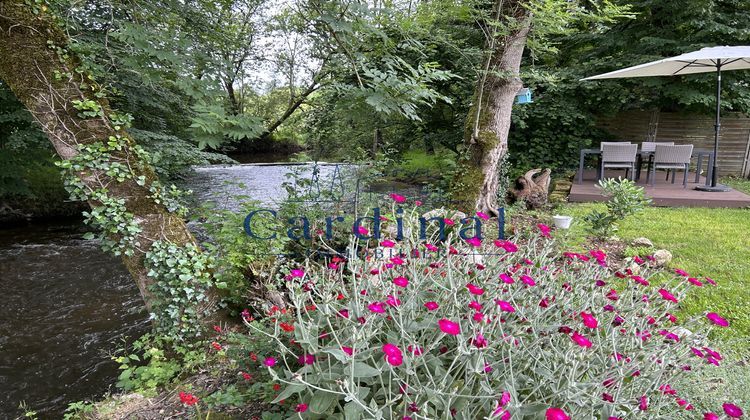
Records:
x=704, y=242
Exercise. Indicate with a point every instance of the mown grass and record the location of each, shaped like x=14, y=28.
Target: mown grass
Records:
x=704, y=242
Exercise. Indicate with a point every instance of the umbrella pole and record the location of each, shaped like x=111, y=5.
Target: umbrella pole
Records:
x=717, y=126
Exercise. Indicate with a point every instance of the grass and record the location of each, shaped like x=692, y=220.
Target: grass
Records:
x=741, y=184
x=704, y=242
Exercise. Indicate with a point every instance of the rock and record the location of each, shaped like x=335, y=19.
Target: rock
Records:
x=662, y=257
x=642, y=242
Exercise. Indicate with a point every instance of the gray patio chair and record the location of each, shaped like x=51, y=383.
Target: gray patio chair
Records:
x=649, y=146
x=671, y=158
x=602, y=144
x=618, y=156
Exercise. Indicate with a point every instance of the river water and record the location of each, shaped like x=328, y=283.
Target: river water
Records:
x=67, y=305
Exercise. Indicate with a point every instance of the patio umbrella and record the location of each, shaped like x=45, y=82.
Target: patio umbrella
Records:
x=705, y=60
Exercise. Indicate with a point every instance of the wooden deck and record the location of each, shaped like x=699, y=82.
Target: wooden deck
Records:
x=664, y=193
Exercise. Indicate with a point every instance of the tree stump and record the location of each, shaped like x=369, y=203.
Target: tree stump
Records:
x=532, y=188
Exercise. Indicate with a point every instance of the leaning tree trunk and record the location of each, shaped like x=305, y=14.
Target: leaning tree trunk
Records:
x=488, y=123
x=47, y=79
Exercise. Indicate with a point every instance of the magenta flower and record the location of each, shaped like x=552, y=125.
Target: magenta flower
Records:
x=505, y=306
x=397, y=198
x=474, y=289
x=643, y=404
x=580, y=340
x=640, y=280
x=478, y=317
x=667, y=296
x=505, y=399
x=479, y=341
x=449, y=327
x=589, y=320
x=682, y=273
x=300, y=408
x=475, y=242
x=732, y=410
x=297, y=272
x=363, y=230
x=528, y=280
x=376, y=307
x=348, y=350
x=397, y=261
x=306, y=359
x=401, y=281
x=387, y=243
x=394, y=360
x=508, y=246
x=554, y=413
x=431, y=306
x=475, y=305
x=612, y=294
x=506, y=278
x=543, y=229
x=391, y=349
x=415, y=350
x=710, y=281
x=269, y=361
x=391, y=300
x=695, y=282
x=431, y=247
x=710, y=416
x=483, y=216
x=717, y=319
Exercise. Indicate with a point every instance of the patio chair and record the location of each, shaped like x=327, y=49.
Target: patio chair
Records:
x=602, y=144
x=671, y=158
x=648, y=146
x=618, y=156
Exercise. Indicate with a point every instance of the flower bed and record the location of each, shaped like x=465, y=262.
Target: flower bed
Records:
x=478, y=329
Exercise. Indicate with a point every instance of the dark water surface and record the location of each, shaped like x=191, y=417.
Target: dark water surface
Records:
x=65, y=306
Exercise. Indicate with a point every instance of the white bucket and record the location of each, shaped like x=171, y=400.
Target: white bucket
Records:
x=562, y=222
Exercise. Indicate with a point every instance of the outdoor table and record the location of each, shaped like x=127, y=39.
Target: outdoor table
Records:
x=697, y=153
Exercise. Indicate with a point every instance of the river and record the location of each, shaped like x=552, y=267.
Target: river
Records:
x=67, y=305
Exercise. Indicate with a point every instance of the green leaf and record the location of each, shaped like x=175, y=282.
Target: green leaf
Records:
x=322, y=402
x=288, y=392
x=363, y=370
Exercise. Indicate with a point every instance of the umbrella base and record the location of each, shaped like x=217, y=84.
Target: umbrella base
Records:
x=717, y=188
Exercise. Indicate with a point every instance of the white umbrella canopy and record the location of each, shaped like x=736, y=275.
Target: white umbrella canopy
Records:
x=705, y=60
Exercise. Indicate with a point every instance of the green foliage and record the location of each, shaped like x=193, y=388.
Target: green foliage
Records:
x=172, y=156
x=212, y=125
x=148, y=367
x=78, y=410
x=625, y=199
x=182, y=277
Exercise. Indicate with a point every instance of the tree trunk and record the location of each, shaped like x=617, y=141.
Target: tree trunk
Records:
x=377, y=140
x=48, y=81
x=234, y=104
x=488, y=123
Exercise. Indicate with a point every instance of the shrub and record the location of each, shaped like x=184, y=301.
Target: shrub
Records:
x=625, y=199
x=421, y=329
